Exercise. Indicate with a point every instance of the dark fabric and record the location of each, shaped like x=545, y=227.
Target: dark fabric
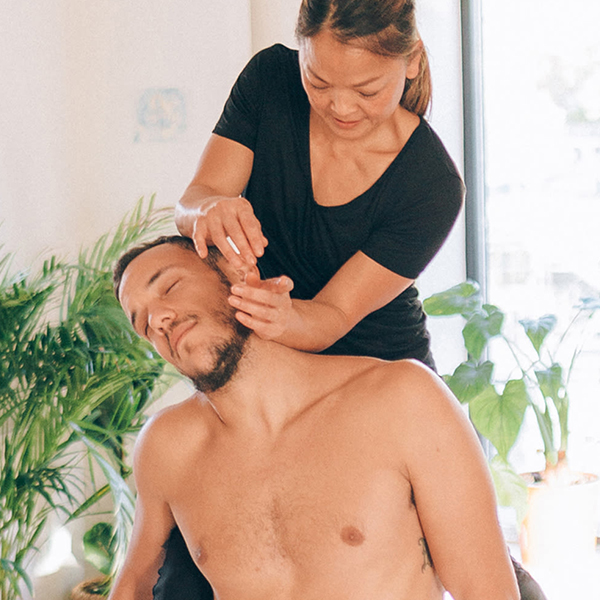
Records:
x=179, y=578
x=400, y=222
x=529, y=588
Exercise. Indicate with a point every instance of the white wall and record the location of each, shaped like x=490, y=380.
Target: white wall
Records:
x=439, y=25
x=73, y=155
x=273, y=21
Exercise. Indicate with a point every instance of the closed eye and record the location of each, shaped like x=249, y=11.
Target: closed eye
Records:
x=172, y=286
x=317, y=87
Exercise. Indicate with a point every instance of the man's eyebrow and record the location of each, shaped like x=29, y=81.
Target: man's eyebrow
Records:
x=157, y=274
x=150, y=281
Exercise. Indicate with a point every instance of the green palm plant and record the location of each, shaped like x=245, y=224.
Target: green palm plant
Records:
x=74, y=383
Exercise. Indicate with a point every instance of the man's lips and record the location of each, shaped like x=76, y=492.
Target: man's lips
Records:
x=178, y=332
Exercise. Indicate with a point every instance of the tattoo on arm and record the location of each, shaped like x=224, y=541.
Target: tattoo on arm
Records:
x=427, y=562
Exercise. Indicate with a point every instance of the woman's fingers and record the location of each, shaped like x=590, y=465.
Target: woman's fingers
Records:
x=199, y=237
x=264, y=306
x=219, y=239
x=230, y=224
x=238, y=243
x=253, y=232
x=277, y=285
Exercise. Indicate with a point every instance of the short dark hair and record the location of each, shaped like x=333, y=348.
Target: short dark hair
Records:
x=178, y=240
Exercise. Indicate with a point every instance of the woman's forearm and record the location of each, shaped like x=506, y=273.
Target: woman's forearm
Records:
x=315, y=326
x=189, y=207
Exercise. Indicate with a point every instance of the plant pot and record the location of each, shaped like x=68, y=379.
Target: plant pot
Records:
x=86, y=590
x=561, y=522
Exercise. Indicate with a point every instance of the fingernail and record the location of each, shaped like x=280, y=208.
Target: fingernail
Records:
x=234, y=300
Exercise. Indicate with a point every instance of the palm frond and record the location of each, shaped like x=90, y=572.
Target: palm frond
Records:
x=71, y=372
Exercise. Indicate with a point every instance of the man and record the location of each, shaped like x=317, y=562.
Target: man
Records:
x=295, y=476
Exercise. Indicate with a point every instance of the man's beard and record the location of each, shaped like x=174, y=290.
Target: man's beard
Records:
x=227, y=356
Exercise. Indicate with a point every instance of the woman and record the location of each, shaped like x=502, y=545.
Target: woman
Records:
x=347, y=195
x=347, y=190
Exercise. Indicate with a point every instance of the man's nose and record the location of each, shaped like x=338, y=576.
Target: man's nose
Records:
x=160, y=318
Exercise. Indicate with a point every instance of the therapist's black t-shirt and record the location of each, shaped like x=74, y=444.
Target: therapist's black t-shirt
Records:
x=400, y=222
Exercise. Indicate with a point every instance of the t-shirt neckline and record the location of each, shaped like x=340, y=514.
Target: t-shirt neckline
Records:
x=378, y=182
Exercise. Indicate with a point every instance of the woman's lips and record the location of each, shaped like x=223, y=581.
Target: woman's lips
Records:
x=346, y=124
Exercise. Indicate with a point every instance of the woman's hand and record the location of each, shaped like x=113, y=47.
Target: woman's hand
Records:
x=360, y=287
x=212, y=210
x=229, y=224
x=264, y=306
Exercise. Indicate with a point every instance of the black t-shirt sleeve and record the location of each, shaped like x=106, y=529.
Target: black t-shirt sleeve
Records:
x=410, y=233
x=240, y=118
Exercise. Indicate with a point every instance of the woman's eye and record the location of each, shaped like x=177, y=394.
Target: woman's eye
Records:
x=317, y=87
x=368, y=94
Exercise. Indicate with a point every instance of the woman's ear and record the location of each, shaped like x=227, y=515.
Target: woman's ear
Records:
x=413, y=62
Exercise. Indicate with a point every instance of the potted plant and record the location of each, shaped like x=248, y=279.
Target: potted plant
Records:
x=74, y=382
x=99, y=545
x=538, y=382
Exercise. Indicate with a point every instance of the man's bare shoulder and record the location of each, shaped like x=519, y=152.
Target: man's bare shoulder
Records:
x=171, y=419
x=407, y=379
x=405, y=393
x=171, y=435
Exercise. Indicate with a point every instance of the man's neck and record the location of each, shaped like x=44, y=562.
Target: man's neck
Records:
x=272, y=385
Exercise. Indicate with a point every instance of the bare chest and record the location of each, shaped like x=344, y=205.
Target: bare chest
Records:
x=284, y=518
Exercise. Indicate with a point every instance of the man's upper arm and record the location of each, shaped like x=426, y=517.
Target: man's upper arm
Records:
x=454, y=495
x=152, y=523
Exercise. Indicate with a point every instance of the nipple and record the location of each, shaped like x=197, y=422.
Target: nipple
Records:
x=352, y=536
x=200, y=556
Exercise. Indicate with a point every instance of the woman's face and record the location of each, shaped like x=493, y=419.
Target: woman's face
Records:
x=350, y=88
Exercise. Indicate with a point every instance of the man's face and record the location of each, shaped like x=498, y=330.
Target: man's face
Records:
x=178, y=303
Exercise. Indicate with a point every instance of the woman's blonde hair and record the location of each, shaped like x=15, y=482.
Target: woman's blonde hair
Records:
x=385, y=27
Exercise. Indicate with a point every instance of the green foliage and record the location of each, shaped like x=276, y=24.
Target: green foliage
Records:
x=99, y=547
x=497, y=408
x=74, y=383
x=511, y=488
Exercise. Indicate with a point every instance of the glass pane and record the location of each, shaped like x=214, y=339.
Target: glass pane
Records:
x=541, y=70
x=542, y=136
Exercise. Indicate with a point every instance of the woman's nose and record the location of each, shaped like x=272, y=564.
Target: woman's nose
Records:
x=342, y=103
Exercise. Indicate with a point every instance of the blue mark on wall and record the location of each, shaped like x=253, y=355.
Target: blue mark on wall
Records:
x=161, y=115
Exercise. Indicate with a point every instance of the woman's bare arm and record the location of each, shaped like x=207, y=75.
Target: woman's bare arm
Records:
x=212, y=208
x=360, y=287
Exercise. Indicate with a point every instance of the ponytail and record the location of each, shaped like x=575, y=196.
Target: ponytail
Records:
x=417, y=91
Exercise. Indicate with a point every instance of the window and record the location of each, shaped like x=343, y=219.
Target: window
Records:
x=532, y=155
x=541, y=133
